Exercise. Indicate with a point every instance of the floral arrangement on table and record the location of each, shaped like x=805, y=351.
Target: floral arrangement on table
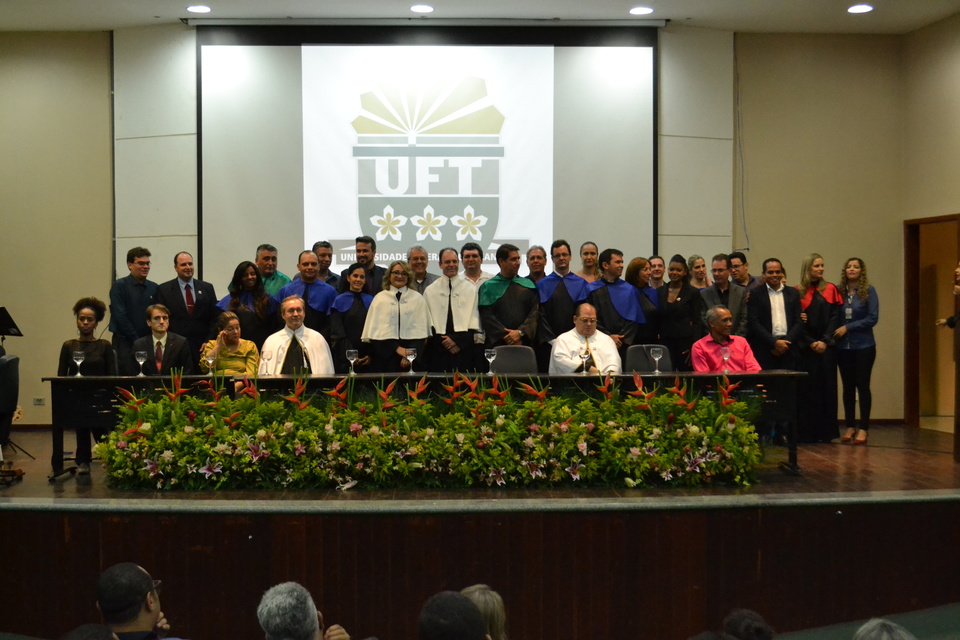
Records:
x=476, y=431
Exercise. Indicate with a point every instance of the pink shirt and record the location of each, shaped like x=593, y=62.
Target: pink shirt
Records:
x=706, y=355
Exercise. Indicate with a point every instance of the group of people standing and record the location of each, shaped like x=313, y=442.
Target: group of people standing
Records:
x=378, y=319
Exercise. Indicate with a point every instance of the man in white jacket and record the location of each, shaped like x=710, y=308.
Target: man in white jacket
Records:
x=295, y=349
x=454, y=318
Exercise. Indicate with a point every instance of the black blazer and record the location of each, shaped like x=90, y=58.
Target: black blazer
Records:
x=737, y=306
x=760, y=326
x=177, y=355
x=198, y=328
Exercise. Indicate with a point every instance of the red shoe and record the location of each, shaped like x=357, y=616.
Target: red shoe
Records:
x=861, y=437
x=848, y=436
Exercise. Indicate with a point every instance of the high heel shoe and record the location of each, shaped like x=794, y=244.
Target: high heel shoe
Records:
x=848, y=436
x=861, y=437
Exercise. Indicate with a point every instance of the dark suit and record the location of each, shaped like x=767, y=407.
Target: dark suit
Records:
x=737, y=304
x=760, y=328
x=196, y=328
x=373, y=285
x=177, y=355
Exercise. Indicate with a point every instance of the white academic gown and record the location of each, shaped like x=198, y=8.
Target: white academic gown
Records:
x=314, y=346
x=466, y=316
x=389, y=319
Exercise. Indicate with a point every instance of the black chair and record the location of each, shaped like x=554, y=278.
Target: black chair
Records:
x=639, y=359
x=9, y=394
x=514, y=359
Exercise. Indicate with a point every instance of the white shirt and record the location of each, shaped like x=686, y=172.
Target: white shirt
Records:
x=565, y=354
x=484, y=276
x=388, y=319
x=466, y=316
x=314, y=346
x=778, y=313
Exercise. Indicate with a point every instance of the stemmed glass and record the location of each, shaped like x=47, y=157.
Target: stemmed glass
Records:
x=210, y=357
x=725, y=354
x=584, y=356
x=352, y=355
x=490, y=355
x=78, y=357
x=266, y=356
x=411, y=356
x=656, y=353
x=141, y=357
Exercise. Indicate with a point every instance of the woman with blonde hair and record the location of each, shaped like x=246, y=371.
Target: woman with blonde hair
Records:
x=856, y=348
x=698, y=272
x=491, y=608
x=820, y=304
x=397, y=321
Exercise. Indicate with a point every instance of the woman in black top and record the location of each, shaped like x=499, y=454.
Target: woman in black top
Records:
x=347, y=317
x=99, y=359
x=681, y=313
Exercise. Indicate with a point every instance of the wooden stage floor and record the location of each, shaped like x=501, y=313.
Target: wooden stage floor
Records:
x=896, y=459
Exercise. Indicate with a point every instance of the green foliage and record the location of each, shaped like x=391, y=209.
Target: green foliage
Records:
x=473, y=434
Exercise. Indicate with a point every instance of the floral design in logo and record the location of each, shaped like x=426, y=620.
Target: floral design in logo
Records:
x=469, y=224
x=388, y=224
x=429, y=224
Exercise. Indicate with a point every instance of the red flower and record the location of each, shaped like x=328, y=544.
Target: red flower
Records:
x=540, y=395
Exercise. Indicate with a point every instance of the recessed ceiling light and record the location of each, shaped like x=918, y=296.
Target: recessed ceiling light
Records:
x=421, y=8
x=860, y=8
x=198, y=8
x=641, y=11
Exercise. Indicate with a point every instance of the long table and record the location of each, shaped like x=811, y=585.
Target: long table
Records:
x=93, y=401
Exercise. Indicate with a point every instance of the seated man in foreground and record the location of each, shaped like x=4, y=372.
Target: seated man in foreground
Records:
x=287, y=612
x=707, y=353
x=600, y=349
x=295, y=349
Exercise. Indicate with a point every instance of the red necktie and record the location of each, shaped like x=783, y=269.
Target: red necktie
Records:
x=189, y=299
x=159, y=357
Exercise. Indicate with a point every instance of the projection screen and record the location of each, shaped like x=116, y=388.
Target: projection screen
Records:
x=424, y=136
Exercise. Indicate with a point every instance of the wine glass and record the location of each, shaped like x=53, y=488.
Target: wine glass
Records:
x=352, y=355
x=411, y=356
x=490, y=355
x=266, y=356
x=78, y=357
x=656, y=353
x=725, y=354
x=141, y=357
x=584, y=356
x=210, y=358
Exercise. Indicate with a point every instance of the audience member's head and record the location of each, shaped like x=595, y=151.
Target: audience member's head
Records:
x=128, y=598
x=90, y=632
x=451, y=616
x=712, y=635
x=880, y=629
x=745, y=624
x=287, y=612
x=491, y=608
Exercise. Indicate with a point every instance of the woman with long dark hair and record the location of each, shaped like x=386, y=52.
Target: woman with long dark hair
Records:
x=681, y=313
x=856, y=348
x=256, y=310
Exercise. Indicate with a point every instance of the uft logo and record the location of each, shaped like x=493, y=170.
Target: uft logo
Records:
x=428, y=162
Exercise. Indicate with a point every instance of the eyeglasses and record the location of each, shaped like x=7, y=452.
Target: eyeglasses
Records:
x=399, y=273
x=588, y=320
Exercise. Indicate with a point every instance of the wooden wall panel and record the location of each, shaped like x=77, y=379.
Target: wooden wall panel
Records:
x=622, y=574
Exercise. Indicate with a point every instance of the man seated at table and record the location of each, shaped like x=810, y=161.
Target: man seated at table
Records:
x=707, y=352
x=165, y=351
x=601, y=350
x=295, y=349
